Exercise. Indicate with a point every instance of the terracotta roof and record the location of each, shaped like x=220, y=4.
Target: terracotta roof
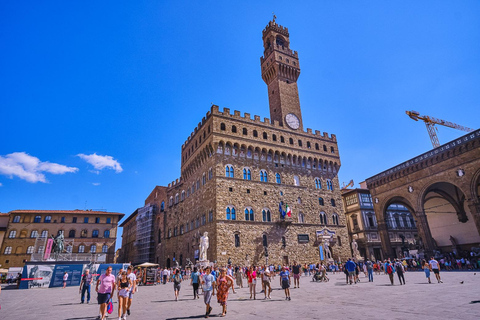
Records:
x=4, y=214
x=68, y=212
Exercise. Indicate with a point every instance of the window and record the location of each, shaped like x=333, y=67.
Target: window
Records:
x=34, y=234
x=332, y=149
x=81, y=248
x=318, y=183
x=264, y=240
x=277, y=178
x=263, y=176
x=74, y=220
x=246, y=174
x=41, y=249
x=198, y=184
x=324, y=148
x=85, y=220
x=37, y=219
x=47, y=219
x=323, y=218
x=317, y=147
x=222, y=126
x=335, y=219
x=210, y=174
x=97, y=220
x=197, y=222
x=210, y=216
x=234, y=129
x=265, y=136
x=320, y=201
x=162, y=208
x=309, y=146
x=16, y=219
x=274, y=137
x=299, y=143
x=84, y=233
x=332, y=201
x=249, y=214
x=290, y=140
x=105, y=248
x=266, y=216
x=95, y=234
x=237, y=240
x=182, y=195
x=204, y=220
x=62, y=220
x=93, y=248
x=69, y=248
x=296, y=181
x=284, y=242
x=245, y=132
x=44, y=234
x=229, y=173
x=255, y=133
x=177, y=197
x=301, y=218
x=12, y=234
x=282, y=139
x=329, y=185
x=339, y=241
x=170, y=201
x=71, y=234
x=8, y=250
x=231, y=215
x=30, y=249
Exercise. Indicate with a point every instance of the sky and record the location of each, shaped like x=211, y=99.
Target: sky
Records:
x=97, y=97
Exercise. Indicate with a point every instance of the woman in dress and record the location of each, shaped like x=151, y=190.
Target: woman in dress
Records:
x=124, y=286
x=238, y=277
x=252, y=281
x=224, y=283
x=426, y=268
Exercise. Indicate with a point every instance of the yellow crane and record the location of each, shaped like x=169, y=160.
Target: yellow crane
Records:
x=430, y=122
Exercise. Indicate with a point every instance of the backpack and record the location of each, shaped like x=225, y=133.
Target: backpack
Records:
x=389, y=269
x=176, y=279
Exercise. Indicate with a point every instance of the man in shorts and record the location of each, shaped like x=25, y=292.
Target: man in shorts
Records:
x=133, y=277
x=208, y=284
x=105, y=289
x=296, y=274
x=266, y=283
x=350, y=267
x=285, y=282
x=435, y=266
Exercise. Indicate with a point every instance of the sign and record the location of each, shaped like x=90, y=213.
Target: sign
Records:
x=74, y=275
x=48, y=249
x=303, y=238
x=320, y=248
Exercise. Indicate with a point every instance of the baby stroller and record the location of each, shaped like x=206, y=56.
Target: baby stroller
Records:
x=320, y=276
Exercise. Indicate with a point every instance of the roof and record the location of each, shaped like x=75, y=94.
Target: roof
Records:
x=69, y=212
x=133, y=214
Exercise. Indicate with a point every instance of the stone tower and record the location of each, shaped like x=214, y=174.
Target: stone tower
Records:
x=280, y=71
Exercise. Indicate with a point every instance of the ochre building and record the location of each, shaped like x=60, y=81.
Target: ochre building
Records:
x=239, y=173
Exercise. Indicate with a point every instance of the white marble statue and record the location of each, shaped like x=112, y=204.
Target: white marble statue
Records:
x=328, y=252
x=203, y=247
x=356, y=254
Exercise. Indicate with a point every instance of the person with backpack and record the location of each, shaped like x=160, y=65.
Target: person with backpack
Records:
x=195, y=282
x=400, y=271
x=177, y=281
x=390, y=270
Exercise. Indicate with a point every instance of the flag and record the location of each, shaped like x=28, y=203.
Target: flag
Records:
x=280, y=209
x=289, y=211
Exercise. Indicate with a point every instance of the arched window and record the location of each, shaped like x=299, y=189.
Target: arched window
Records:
x=210, y=174
x=229, y=173
x=335, y=219
x=104, y=248
x=106, y=234
x=81, y=248
x=317, y=147
x=299, y=200
x=48, y=219
x=84, y=233
x=332, y=149
x=93, y=248
x=290, y=140
x=245, y=132
x=323, y=218
x=332, y=201
x=265, y=136
x=231, y=215
x=16, y=219
x=282, y=139
x=34, y=234
x=177, y=198
x=8, y=250
x=162, y=206
x=249, y=214
x=95, y=234
x=277, y=178
x=30, y=249
x=37, y=219
x=266, y=216
x=301, y=218
x=324, y=148
x=170, y=201
x=12, y=234
x=264, y=240
x=71, y=234
x=222, y=126
x=263, y=176
x=329, y=185
x=321, y=202
x=318, y=183
x=237, y=240
x=296, y=181
x=182, y=195
x=274, y=137
x=247, y=174
x=309, y=146
x=69, y=248
x=255, y=133
x=44, y=234
x=234, y=129
x=299, y=143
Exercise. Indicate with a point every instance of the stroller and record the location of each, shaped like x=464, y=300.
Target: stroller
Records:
x=320, y=276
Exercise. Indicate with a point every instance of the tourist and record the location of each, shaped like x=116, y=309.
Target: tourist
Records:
x=252, y=282
x=85, y=284
x=165, y=275
x=208, y=286
x=105, y=289
x=390, y=270
x=266, y=283
x=350, y=267
x=238, y=276
x=131, y=276
x=65, y=277
x=194, y=281
x=296, y=274
x=124, y=286
x=426, y=269
x=369, y=266
x=177, y=282
x=224, y=282
x=357, y=272
x=400, y=271
x=435, y=267
x=285, y=282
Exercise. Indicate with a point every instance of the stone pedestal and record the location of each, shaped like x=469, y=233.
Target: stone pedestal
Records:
x=204, y=264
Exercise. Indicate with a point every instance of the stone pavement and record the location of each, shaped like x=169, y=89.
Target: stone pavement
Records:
x=332, y=300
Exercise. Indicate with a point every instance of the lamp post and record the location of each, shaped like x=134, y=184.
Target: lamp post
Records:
x=266, y=256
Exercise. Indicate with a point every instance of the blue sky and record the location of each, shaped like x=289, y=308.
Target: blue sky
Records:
x=97, y=97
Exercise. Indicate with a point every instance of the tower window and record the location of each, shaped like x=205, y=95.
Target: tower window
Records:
x=282, y=139
x=321, y=202
x=274, y=137
x=318, y=183
x=299, y=143
x=324, y=148
x=290, y=140
x=317, y=147
x=229, y=171
x=245, y=132
x=222, y=126
x=263, y=176
x=332, y=201
x=234, y=129
x=309, y=145
x=287, y=60
x=249, y=214
x=266, y=216
x=332, y=149
x=265, y=135
x=247, y=174
x=255, y=133
x=277, y=178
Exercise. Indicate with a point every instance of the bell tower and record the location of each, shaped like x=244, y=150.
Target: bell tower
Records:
x=280, y=71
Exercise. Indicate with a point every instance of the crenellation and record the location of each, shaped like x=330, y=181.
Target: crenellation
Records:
x=247, y=116
x=236, y=113
x=226, y=112
x=266, y=120
x=256, y=118
x=309, y=130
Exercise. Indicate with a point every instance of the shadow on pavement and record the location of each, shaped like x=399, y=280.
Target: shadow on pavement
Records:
x=192, y=317
x=82, y=318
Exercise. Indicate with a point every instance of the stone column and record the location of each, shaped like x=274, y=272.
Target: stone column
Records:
x=385, y=238
x=424, y=233
x=475, y=211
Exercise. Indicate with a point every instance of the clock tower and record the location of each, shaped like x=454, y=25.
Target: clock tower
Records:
x=280, y=71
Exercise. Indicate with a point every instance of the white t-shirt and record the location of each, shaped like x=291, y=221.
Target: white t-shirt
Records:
x=434, y=264
x=65, y=277
x=132, y=277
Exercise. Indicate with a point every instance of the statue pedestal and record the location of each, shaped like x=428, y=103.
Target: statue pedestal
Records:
x=204, y=264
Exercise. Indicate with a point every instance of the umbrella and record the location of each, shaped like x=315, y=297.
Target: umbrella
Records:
x=147, y=264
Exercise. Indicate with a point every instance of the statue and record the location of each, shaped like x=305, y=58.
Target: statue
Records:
x=203, y=247
x=355, y=249
x=58, y=241
x=328, y=252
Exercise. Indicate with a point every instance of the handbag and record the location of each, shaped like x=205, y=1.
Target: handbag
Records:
x=110, y=307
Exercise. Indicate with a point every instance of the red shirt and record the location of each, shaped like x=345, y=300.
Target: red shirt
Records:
x=251, y=275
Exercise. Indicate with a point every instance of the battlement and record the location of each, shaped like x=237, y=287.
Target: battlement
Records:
x=281, y=49
x=175, y=183
x=272, y=25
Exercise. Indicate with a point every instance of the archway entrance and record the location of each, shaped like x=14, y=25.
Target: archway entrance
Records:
x=451, y=223
x=401, y=229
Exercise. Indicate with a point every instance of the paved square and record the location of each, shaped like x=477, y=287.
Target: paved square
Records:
x=332, y=300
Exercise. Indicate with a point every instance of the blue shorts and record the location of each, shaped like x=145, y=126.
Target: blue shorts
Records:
x=103, y=298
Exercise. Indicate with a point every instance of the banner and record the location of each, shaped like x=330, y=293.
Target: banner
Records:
x=320, y=248
x=74, y=275
x=48, y=249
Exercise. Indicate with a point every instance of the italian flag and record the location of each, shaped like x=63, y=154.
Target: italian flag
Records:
x=289, y=211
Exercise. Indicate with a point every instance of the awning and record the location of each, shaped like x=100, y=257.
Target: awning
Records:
x=147, y=264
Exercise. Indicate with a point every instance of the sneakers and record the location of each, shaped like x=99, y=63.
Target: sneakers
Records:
x=128, y=311
x=289, y=298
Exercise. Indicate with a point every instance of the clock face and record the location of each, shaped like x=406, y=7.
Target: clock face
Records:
x=292, y=121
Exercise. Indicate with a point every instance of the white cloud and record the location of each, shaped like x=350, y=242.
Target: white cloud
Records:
x=30, y=168
x=96, y=183
x=101, y=162
x=1, y=185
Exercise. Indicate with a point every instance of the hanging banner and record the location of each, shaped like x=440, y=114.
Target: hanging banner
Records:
x=48, y=249
x=320, y=248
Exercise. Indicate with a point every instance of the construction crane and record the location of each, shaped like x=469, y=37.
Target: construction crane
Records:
x=350, y=184
x=430, y=122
